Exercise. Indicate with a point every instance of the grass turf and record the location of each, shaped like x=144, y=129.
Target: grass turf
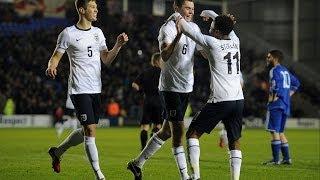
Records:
x=23, y=155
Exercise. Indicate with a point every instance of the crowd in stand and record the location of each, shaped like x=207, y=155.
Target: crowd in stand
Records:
x=23, y=60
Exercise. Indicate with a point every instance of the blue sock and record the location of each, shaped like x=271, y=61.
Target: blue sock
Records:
x=275, y=146
x=285, y=151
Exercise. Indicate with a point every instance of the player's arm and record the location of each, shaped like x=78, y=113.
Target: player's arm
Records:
x=198, y=37
x=166, y=49
x=53, y=64
x=294, y=84
x=61, y=47
x=274, y=87
x=107, y=56
x=206, y=14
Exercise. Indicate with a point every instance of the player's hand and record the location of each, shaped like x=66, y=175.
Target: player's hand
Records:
x=51, y=72
x=207, y=14
x=232, y=18
x=178, y=25
x=122, y=39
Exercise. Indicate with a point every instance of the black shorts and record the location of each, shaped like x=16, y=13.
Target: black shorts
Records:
x=87, y=107
x=175, y=105
x=230, y=112
x=152, y=110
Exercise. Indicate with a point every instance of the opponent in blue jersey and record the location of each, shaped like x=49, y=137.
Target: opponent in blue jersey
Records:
x=282, y=86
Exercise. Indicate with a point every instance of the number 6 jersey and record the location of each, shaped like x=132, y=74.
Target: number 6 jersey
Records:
x=83, y=48
x=224, y=62
x=177, y=72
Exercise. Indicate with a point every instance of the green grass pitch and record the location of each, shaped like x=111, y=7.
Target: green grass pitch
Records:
x=23, y=155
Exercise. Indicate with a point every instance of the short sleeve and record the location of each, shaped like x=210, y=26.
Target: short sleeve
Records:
x=102, y=41
x=166, y=34
x=63, y=41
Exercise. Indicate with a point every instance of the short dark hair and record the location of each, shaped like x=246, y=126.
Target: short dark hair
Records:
x=82, y=3
x=180, y=2
x=224, y=24
x=277, y=54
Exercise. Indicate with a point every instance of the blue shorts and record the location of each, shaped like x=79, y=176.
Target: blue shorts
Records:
x=276, y=120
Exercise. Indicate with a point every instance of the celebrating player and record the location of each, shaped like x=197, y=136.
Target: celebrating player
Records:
x=85, y=46
x=226, y=99
x=175, y=84
x=282, y=86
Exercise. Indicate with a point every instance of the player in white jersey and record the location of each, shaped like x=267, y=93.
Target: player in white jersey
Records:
x=175, y=84
x=226, y=99
x=85, y=46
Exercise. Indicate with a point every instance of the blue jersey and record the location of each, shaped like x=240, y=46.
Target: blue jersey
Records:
x=281, y=83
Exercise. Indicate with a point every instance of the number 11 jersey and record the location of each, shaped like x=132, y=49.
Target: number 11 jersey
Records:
x=224, y=62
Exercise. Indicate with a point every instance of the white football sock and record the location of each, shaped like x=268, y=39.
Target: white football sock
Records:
x=153, y=145
x=235, y=164
x=92, y=154
x=75, y=138
x=181, y=161
x=194, y=156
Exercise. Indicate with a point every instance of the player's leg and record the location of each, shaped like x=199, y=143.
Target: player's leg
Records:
x=284, y=143
x=87, y=106
x=75, y=138
x=144, y=135
x=233, y=125
x=223, y=139
x=153, y=145
x=176, y=105
x=273, y=124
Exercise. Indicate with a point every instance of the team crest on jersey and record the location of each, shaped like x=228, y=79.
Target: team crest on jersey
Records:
x=172, y=113
x=96, y=37
x=83, y=117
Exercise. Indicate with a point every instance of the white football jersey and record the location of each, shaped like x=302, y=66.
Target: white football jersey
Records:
x=224, y=62
x=177, y=72
x=83, y=48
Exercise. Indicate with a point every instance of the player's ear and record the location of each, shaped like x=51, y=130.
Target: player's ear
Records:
x=81, y=10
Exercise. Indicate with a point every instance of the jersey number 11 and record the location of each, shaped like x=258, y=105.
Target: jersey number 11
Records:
x=228, y=58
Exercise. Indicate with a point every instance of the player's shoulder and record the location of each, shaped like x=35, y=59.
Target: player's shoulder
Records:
x=168, y=26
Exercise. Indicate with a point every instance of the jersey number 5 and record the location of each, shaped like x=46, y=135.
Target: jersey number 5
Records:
x=89, y=51
x=228, y=58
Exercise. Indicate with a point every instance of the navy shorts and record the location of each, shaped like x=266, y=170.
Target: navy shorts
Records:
x=229, y=112
x=276, y=120
x=87, y=107
x=175, y=105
